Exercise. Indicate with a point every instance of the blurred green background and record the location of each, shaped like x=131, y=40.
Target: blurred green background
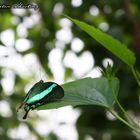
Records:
x=43, y=44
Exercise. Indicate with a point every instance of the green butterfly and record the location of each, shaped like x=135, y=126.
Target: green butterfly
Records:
x=40, y=94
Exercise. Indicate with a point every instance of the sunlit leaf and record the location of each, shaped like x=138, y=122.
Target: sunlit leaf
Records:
x=110, y=43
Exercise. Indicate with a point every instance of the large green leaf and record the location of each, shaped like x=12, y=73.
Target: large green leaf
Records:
x=110, y=43
x=87, y=91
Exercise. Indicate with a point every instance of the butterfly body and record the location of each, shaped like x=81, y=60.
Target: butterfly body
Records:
x=42, y=93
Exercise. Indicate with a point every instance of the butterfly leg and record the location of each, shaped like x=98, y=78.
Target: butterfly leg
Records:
x=25, y=116
x=27, y=109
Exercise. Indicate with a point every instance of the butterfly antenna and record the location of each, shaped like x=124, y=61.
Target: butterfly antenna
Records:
x=20, y=106
x=40, y=72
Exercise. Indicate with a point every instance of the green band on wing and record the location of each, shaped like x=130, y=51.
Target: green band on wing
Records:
x=42, y=94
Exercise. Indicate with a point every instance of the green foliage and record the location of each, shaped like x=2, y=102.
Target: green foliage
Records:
x=123, y=20
x=108, y=72
x=87, y=91
x=111, y=44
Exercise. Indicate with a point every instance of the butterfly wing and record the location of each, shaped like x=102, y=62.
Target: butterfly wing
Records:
x=36, y=89
x=56, y=94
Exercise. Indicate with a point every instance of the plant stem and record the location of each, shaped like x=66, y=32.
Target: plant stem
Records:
x=124, y=121
x=126, y=114
x=122, y=109
x=135, y=75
